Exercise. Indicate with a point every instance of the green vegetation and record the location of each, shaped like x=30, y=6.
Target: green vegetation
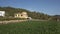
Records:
x=31, y=27
x=10, y=11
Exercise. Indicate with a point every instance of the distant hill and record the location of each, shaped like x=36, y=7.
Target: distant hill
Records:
x=11, y=10
x=57, y=16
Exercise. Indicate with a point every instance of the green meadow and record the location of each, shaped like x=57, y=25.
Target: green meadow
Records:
x=31, y=27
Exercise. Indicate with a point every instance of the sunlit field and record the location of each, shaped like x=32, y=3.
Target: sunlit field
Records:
x=31, y=27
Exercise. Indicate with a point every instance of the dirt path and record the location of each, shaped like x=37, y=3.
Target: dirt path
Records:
x=11, y=21
x=15, y=21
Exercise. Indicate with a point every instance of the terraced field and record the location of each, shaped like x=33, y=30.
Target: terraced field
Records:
x=31, y=27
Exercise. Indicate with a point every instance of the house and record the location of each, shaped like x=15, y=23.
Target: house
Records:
x=21, y=15
x=2, y=13
x=55, y=17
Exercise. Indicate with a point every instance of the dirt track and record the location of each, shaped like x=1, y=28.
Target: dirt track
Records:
x=15, y=21
x=11, y=21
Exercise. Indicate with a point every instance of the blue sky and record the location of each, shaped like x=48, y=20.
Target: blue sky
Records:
x=51, y=7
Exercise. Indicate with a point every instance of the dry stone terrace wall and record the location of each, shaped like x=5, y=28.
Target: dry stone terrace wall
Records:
x=11, y=21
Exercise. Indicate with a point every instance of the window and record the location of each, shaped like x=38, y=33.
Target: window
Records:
x=21, y=15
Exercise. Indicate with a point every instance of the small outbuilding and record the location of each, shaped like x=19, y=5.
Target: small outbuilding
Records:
x=57, y=17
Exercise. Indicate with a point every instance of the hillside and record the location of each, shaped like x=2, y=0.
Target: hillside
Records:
x=35, y=15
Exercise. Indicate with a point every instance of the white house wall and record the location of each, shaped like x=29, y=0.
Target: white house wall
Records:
x=2, y=13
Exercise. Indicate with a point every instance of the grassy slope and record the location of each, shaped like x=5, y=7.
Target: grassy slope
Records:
x=31, y=27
